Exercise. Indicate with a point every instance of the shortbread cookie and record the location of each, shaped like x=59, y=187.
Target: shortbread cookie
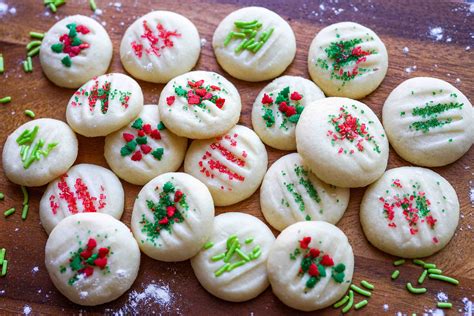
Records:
x=75, y=50
x=348, y=60
x=254, y=44
x=104, y=104
x=310, y=265
x=144, y=149
x=172, y=217
x=343, y=142
x=200, y=105
x=277, y=109
x=85, y=188
x=231, y=166
x=429, y=122
x=410, y=212
x=159, y=46
x=232, y=264
x=92, y=258
x=291, y=193
x=38, y=152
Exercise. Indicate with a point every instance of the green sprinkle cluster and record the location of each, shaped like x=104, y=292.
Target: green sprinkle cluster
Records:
x=3, y=262
x=53, y=4
x=348, y=299
x=248, y=33
x=431, y=112
x=289, y=108
x=30, y=151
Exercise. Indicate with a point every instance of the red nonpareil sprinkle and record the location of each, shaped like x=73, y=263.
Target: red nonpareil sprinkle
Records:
x=170, y=100
x=86, y=254
x=163, y=221
x=305, y=242
x=397, y=183
x=155, y=134
x=170, y=210
x=431, y=221
x=413, y=231
x=283, y=107
x=147, y=128
x=215, y=88
x=103, y=252
x=128, y=137
x=53, y=204
x=91, y=243
x=267, y=99
x=314, y=252
x=295, y=96
x=82, y=29
x=137, y=156
x=327, y=261
x=137, y=49
x=100, y=262
x=313, y=270
x=177, y=196
x=88, y=271
x=220, y=103
x=145, y=149
x=67, y=195
x=82, y=192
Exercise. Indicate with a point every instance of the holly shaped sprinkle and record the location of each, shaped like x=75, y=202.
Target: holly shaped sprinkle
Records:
x=234, y=256
x=415, y=207
x=137, y=145
x=315, y=263
x=346, y=57
x=348, y=127
x=84, y=261
x=31, y=151
x=289, y=107
x=198, y=94
x=249, y=35
x=70, y=43
x=152, y=43
x=167, y=211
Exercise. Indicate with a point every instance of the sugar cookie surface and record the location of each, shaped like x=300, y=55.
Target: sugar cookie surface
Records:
x=85, y=188
x=342, y=142
x=234, y=268
x=231, y=166
x=310, y=265
x=172, y=217
x=200, y=105
x=39, y=151
x=75, y=50
x=92, y=258
x=410, y=212
x=144, y=149
x=277, y=109
x=428, y=121
x=348, y=60
x=159, y=46
x=104, y=104
x=291, y=193
x=254, y=44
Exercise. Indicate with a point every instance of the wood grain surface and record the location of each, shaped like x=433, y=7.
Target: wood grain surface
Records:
x=399, y=24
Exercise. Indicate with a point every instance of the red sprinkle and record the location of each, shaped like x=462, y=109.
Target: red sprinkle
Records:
x=305, y=242
x=170, y=210
x=170, y=100
x=137, y=156
x=145, y=148
x=103, y=252
x=163, y=221
x=155, y=134
x=220, y=103
x=314, y=252
x=267, y=99
x=313, y=270
x=327, y=261
x=86, y=254
x=100, y=262
x=91, y=243
x=295, y=96
x=128, y=137
x=177, y=196
x=147, y=128
x=88, y=271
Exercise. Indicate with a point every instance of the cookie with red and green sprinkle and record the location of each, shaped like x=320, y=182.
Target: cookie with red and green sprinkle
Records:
x=92, y=258
x=104, y=104
x=75, y=50
x=145, y=148
x=278, y=107
x=310, y=265
x=172, y=217
x=347, y=60
x=410, y=212
x=200, y=105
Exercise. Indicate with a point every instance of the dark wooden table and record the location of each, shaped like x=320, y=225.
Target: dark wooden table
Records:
x=412, y=24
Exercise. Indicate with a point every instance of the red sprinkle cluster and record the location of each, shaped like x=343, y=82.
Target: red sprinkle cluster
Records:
x=358, y=53
x=284, y=107
x=197, y=94
x=67, y=41
x=171, y=210
x=154, y=44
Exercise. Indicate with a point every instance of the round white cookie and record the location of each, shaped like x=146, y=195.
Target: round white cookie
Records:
x=92, y=258
x=291, y=193
x=348, y=60
x=38, y=152
x=428, y=121
x=85, y=188
x=254, y=44
x=232, y=265
x=159, y=46
x=410, y=212
x=172, y=217
x=144, y=149
x=104, y=104
x=310, y=265
x=75, y=50
x=343, y=142
x=231, y=166
x=277, y=109
x=200, y=105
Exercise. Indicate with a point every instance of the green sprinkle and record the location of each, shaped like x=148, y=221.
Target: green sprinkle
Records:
x=218, y=257
x=59, y=2
x=248, y=240
x=25, y=195
x=443, y=278
x=5, y=100
x=256, y=254
x=67, y=61
x=4, y=267
x=361, y=304
x=92, y=5
x=160, y=126
x=30, y=63
x=230, y=240
x=158, y=153
x=221, y=270
x=9, y=212
x=242, y=255
x=415, y=290
x=25, y=66
x=231, y=250
x=53, y=8
x=399, y=262
x=228, y=38
x=435, y=271
x=360, y=291
x=341, y=302
x=32, y=44
x=208, y=245
x=2, y=255
x=235, y=265
x=422, y=277
x=243, y=23
x=351, y=301
x=418, y=262
x=429, y=266
x=30, y=113
x=36, y=35
x=2, y=196
x=444, y=305
x=367, y=285
x=24, y=213
x=2, y=69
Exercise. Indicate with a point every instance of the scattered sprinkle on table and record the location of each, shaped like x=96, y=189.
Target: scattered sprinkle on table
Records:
x=5, y=100
x=30, y=113
x=9, y=212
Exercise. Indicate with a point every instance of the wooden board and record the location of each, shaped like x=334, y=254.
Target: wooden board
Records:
x=399, y=23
